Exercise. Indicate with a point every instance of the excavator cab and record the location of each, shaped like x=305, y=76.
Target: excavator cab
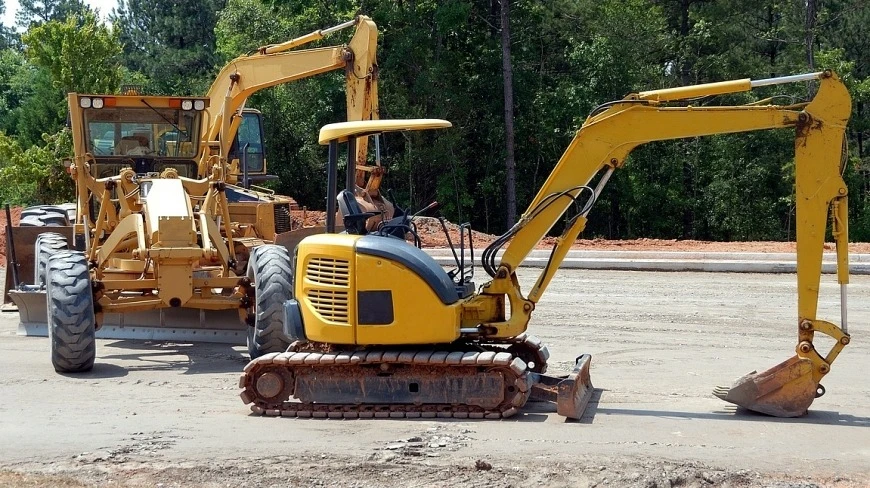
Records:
x=362, y=293
x=248, y=151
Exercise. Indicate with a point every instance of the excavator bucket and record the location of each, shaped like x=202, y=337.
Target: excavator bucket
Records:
x=570, y=393
x=785, y=390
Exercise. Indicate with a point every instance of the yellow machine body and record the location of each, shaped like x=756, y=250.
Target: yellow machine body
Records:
x=349, y=297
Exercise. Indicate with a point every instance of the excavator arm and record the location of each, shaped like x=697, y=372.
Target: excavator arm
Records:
x=602, y=145
x=277, y=64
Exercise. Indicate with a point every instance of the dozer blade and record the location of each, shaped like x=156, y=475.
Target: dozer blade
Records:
x=570, y=393
x=785, y=390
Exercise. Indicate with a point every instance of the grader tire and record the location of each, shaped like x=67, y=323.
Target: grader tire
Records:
x=44, y=216
x=70, y=209
x=271, y=271
x=47, y=245
x=71, y=318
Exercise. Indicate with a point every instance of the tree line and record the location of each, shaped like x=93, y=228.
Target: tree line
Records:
x=447, y=59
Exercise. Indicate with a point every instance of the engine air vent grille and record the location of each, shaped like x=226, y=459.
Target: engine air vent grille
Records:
x=283, y=219
x=328, y=271
x=330, y=304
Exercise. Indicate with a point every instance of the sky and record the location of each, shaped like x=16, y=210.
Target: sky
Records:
x=104, y=7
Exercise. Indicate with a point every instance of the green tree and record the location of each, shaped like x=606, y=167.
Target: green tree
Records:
x=34, y=175
x=12, y=91
x=82, y=54
x=76, y=54
x=42, y=110
x=35, y=12
x=442, y=58
x=172, y=43
x=7, y=35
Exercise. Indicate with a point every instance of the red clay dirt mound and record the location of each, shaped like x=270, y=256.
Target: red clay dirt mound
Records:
x=16, y=215
x=432, y=235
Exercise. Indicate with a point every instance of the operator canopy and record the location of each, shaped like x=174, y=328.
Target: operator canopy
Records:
x=341, y=131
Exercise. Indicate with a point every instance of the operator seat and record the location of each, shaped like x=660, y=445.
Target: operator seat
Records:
x=125, y=145
x=353, y=216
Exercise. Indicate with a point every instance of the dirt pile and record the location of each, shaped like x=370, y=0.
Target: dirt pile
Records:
x=16, y=216
x=307, y=218
x=432, y=236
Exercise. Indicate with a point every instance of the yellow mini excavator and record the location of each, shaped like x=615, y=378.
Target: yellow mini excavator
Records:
x=380, y=330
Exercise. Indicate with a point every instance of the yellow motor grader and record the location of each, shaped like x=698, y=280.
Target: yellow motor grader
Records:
x=159, y=241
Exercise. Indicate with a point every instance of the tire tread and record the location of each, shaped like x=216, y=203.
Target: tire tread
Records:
x=44, y=216
x=271, y=269
x=72, y=322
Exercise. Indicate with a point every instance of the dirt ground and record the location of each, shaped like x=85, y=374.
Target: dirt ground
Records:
x=15, y=212
x=432, y=236
x=168, y=414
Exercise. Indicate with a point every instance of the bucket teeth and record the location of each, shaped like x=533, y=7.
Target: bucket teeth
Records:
x=721, y=392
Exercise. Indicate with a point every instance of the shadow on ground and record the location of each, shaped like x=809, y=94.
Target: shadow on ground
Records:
x=819, y=417
x=189, y=358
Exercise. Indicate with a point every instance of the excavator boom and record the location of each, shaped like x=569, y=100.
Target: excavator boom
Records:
x=614, y=130
x=277, y=64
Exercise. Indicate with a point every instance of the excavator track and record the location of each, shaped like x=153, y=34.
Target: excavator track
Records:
x=473, y=380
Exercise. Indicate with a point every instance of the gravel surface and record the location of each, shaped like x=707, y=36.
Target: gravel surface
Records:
x=168, y=414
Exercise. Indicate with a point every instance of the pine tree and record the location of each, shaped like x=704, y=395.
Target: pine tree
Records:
x=172, y=43
x=35, y=12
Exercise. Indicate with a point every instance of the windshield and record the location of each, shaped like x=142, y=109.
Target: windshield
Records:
x=158, y=132
x=250, y=134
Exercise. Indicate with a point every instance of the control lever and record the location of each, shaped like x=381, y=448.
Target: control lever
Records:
x=432, y=206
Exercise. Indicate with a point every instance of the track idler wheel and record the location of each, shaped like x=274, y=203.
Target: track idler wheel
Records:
x=267, y=384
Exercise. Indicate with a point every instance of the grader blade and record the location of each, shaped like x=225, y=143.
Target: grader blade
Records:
x=785, y=390
x=570, y=393
x=22, y=241
x=165, y=324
